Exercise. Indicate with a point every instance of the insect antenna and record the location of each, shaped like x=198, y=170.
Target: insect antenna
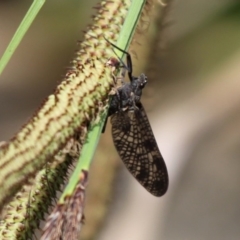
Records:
x=129, y=59
x=124, y=66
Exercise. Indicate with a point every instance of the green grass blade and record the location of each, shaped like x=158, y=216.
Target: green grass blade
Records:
x=21, y=31
x=86, y=156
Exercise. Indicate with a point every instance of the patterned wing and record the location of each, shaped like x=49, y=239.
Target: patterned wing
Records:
x=137, y=147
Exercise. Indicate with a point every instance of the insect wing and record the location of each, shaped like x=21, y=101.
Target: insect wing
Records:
x=137, y=147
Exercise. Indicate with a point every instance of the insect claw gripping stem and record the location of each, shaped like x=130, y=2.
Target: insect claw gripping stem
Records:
x=132, y=134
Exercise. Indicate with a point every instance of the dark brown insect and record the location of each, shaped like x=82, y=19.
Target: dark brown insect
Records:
x=133, y=136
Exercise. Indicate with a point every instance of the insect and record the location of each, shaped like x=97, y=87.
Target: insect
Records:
x=132, y=134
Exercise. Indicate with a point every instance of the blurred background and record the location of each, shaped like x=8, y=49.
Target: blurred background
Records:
x=192, y=100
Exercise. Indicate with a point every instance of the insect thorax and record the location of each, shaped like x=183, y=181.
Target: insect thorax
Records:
x=128, y=95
